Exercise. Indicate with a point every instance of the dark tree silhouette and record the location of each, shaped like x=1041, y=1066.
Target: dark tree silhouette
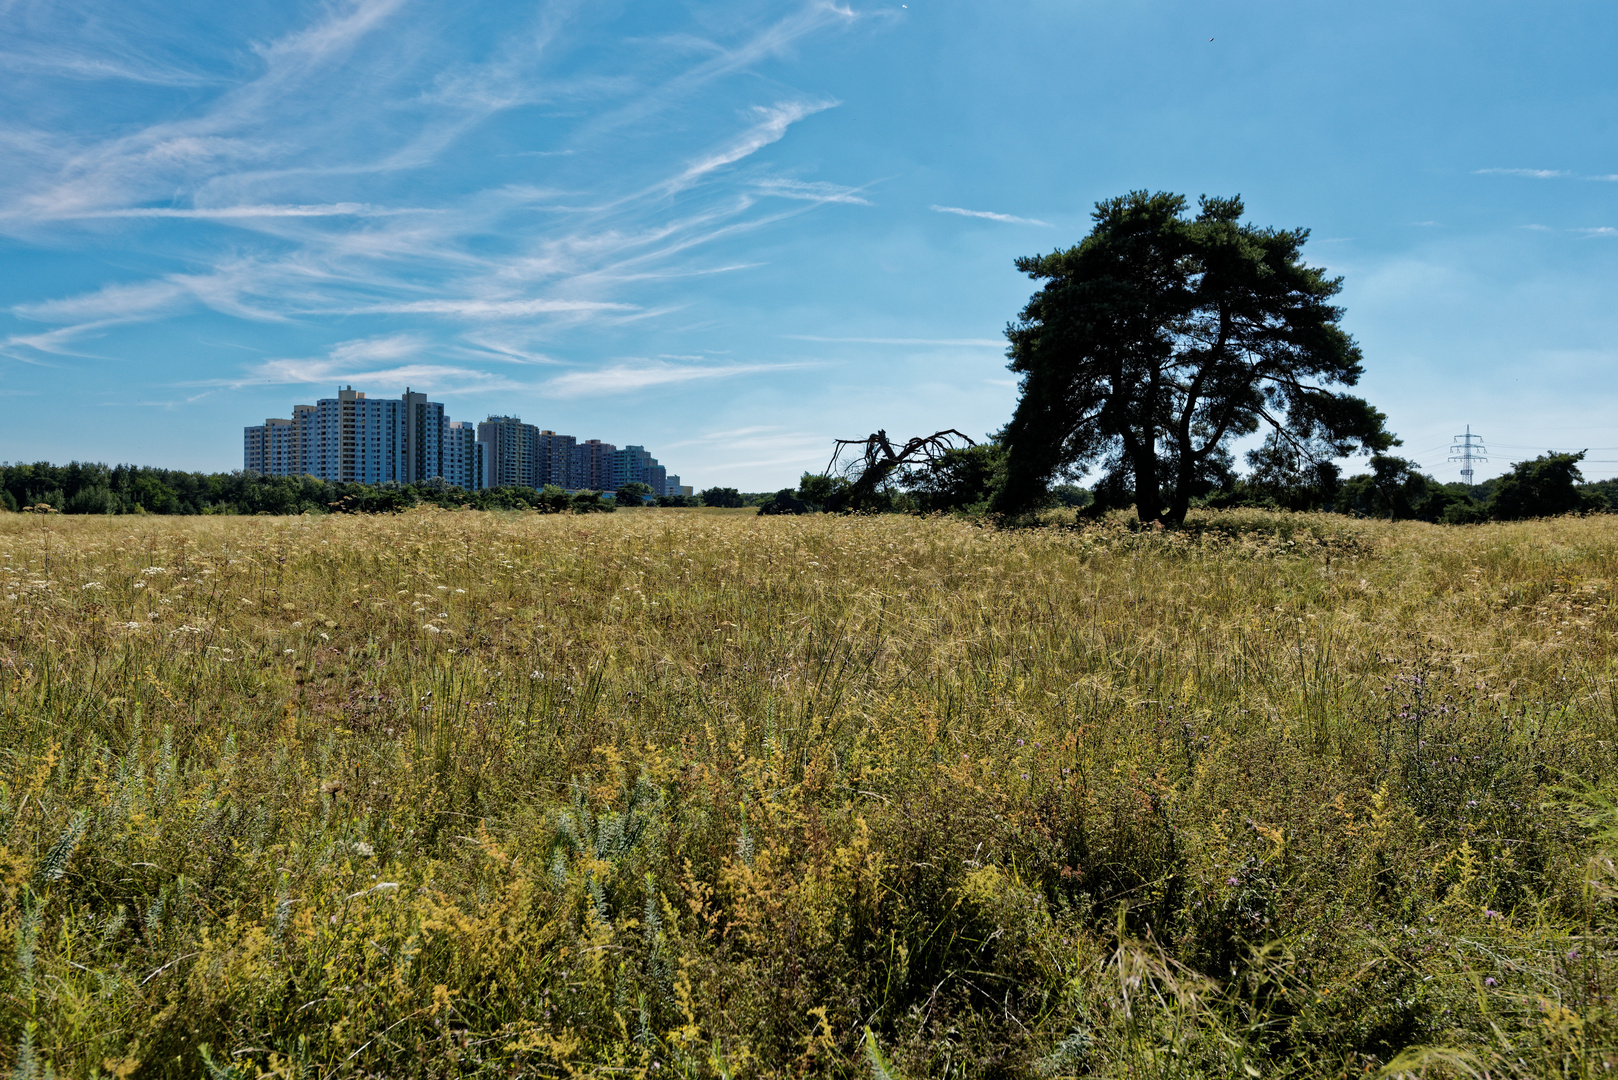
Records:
x=1159, y=339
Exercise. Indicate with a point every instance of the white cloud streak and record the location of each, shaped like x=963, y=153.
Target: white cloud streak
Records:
x=817, y=191
x=390, y=359
x=1549, y=174
x=630, y=376
x=71, y=65
x=988, y=215
x=226, y=213
x=492, y=309
x=996, y=343
x=772, y=124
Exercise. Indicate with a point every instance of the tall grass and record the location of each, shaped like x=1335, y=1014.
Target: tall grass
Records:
x=678, y=794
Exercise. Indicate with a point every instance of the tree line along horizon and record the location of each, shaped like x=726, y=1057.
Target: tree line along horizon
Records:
x=1150, y=348
x=963, y=484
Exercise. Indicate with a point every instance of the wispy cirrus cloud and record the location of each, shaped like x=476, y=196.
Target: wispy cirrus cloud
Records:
x=77, y=65
x=764, y=447
x=996, y=343
x=243, y=125
x=773, y=40
x=811, y=191
x=240, y=288
x=1594, y=230
x=285, y=130
x=988, y=215
x=493, y=309
x=346, y=359
x=633, y=375
x=36, y=349
x=771, y=125
x=227, y=213
x=1548, y=174
x=403, y=359
x=111, y=303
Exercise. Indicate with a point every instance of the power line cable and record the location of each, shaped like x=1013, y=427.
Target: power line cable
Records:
x=1553, y=449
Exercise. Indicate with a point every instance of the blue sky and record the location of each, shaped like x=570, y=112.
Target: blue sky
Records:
x=735, y=231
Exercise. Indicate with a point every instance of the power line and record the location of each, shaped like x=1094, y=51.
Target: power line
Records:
x=1551, y=449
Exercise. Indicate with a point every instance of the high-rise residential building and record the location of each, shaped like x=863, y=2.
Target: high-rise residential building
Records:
x=353, y=438
x=280, y=451
x=326, y=426
x=633, y=464
x=253, y=447
x=553, y=460
x=303, y=440
x=509, y=448
x=423, y=435
x=372, y=439
x=592, y=465
x=463, y=455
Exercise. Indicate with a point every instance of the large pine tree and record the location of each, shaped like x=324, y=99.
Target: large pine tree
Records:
x=1162, y=337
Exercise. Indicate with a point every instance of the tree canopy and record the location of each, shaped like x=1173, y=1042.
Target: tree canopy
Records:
x=1159, y=339
x=722, y=496
x=634, y=493
x=90, y=488
x=1544, y=487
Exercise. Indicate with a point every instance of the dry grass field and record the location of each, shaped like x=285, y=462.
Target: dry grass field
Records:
x=675, y=794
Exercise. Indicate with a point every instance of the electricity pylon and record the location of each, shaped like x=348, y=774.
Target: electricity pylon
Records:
x=1467, y=449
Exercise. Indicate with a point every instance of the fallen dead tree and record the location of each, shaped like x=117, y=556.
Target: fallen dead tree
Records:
x=867, y=463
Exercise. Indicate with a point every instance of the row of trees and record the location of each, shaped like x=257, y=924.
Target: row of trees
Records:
x=89, y=488
x=1395, y=488
x=967, y=480
x=971, y=480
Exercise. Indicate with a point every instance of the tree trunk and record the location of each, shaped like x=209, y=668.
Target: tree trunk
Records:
x=1181, y=503
x=1148, y=494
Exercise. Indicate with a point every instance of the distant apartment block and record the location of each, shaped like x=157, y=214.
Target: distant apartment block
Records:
x=520, y=453
x=353, y=438
x=592, y=464
x=464, y=463
x=506, y=449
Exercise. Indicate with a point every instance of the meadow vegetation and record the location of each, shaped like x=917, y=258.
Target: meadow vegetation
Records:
x=676, y=794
